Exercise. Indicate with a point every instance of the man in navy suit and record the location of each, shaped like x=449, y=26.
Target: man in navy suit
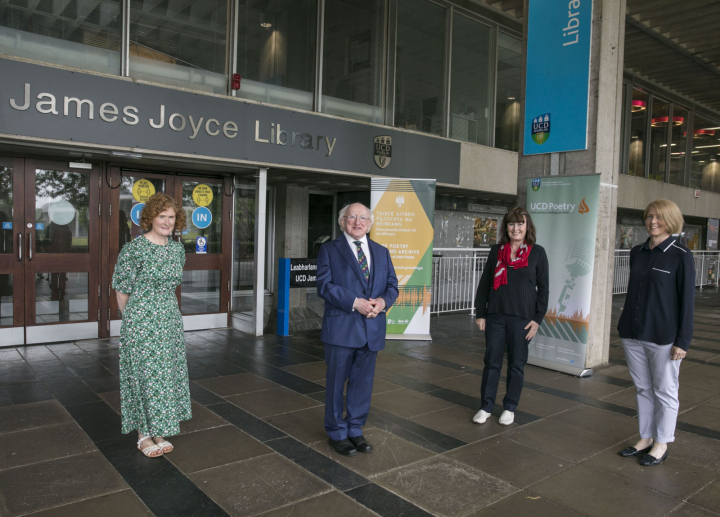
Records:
x=356, y=278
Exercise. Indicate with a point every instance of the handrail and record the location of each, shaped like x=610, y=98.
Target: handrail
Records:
x=455, y=276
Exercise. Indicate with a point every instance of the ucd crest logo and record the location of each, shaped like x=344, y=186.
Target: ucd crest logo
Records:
x=541, y=129
x=536, y=184
x=383, y=151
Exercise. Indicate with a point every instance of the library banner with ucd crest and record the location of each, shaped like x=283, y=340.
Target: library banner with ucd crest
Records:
x=564, y=210
x=404, y=211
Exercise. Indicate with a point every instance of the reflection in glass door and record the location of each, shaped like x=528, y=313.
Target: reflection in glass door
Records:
x=12, y=325
x=58, y=240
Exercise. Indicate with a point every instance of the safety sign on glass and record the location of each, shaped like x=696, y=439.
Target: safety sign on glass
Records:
x=201, y=217
x=202, y=195
x=142, y=190
x=39, y=226
x=7, y=226
x=135, y=213
x=201, y=245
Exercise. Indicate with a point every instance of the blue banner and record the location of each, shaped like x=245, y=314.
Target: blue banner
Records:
x=558, y=76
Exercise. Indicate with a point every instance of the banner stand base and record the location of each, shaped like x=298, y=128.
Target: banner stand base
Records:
x=563, y=368
x=409, y=337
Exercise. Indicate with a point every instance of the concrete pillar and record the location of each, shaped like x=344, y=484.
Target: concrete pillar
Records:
x=291, y=231
x=601, y=157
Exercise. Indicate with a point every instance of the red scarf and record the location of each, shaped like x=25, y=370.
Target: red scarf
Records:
x=504, y=261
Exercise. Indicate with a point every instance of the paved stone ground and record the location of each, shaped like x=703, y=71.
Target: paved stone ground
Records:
x=256, y=444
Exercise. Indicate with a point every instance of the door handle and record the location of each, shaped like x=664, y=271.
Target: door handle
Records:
x=29, y=236
x=20, y=245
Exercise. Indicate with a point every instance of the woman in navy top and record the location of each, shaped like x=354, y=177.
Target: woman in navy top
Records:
x=656, y=328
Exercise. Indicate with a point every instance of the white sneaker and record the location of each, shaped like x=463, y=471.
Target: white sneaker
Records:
x=507, y=417
x=481, y=417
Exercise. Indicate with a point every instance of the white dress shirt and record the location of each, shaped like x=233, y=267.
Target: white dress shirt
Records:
x=364, y=245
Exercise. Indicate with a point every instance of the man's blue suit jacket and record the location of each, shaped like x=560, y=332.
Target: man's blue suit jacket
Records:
x=340, y=281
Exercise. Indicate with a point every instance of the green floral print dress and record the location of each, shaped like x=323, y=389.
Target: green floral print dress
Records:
x=154, y=386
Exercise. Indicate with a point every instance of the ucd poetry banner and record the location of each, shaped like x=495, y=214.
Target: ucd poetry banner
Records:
x=404, y=211
x=565, y=210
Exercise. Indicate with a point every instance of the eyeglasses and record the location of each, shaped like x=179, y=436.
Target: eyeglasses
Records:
x=353, y=218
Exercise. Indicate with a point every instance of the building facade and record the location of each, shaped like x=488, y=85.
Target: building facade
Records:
x=263, y=117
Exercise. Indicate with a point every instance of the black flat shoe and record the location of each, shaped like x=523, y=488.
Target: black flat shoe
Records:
x=632, y=452
x=361, y=444
x=343, y=447
x=650, y=461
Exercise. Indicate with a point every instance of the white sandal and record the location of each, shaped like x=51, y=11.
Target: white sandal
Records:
x=152, y=448
x=164, y=444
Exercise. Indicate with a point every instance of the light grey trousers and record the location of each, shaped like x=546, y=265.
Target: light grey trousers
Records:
x=655, y=375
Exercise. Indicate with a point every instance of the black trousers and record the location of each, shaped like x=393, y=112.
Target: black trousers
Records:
x=503, y=330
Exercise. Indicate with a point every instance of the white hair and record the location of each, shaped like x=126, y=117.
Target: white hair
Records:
x=341, y=214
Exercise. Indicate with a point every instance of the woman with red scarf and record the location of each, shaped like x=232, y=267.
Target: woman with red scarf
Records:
x=511, y=302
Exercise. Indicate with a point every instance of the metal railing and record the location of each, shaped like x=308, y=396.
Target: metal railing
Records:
x=706, y=269
x=456, y=273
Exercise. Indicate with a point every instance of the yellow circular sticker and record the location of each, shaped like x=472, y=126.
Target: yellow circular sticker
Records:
x=142, y=190
x=202, y=195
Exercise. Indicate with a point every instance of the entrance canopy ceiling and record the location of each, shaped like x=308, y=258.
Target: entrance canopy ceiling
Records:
x=673, y=43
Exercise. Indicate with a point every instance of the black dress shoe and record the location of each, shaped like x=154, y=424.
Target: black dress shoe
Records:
x=650, y=461
x=361, y=444
x=632, y=452
x=343, y=447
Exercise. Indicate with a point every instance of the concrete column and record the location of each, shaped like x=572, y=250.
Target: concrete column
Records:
x=292, y=205
x=601, y=157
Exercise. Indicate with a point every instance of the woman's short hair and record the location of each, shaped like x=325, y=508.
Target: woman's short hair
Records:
x=341, y=214
x=518, y=214
x=156, y=205
x=670, y=214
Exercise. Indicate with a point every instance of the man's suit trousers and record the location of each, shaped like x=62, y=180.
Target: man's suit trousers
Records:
x=357, y=367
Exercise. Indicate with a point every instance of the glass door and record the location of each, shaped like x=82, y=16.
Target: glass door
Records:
x=12, y=322
x=204, y=295
x=127, y=196
x=60, y=235
x=205, y=288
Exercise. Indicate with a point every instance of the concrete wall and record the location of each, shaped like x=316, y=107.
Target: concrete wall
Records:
x=637, y=193
x=488, y=169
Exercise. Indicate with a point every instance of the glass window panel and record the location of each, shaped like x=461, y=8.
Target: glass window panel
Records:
x=638, y=128
x=704, y=164
x=507, y=103
x=470, y=85
x=200, y=292
x=276, y=51
x=180, y=43
x=77, y=33
x=6, y=300
x=244, y=251
x=420, y=66
x=658, y=139
x=128, y=230
x=211, y=233
x=6, y=210
x=321, y=220
x=354, y=49
x=679, y=139
x=61, y=297
x=61, y=211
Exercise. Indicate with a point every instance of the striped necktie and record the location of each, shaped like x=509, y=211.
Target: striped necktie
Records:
x=362, y=260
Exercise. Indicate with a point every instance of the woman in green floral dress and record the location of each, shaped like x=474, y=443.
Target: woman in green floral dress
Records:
x=154, y=388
